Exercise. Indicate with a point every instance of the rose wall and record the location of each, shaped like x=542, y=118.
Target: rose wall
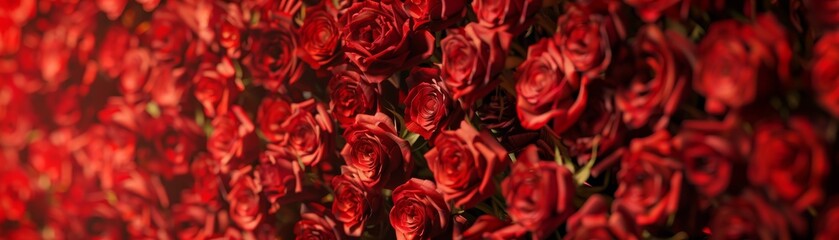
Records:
x=419, y=119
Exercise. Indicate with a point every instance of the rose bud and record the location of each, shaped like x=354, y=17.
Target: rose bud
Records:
x=273, y=54
x=599, y=133
x=351, y=95
x=790, y=161
x=245, y=200
x=428, y=104
x=740, y=63
x=215, y=88
x=514, y=16
x=824, y=73
x=710, y=151
x=588, y=36
x=654, y=93
x=320, y=36
x=651, y=10
x=823, y=13
x=464, y=162
x=593, y=221
x=539, y=194
x=419, y=211
x=354, y=202
x=231, y=133
x=472, y=57
x=750, y=217
x=545, y=92
x=435, y=15
x=650, y=179
x=280, y=177
x=380, y=157
x=302, y=128
x=317, y=223
x=379, y=39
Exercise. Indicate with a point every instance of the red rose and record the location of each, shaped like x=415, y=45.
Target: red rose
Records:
x=650, y=179
x=53, y=57
x=105, y=148
x=740, y=63
x=790, y=161
x=320, y=36
x=303, y=128
x=828, y=222
x=354, y=203
x=170, y=39
x=16, y=116
x=316, y=223
x=215, y=87
x=472, y=57
x=15, y=191
x=191, y=216
x=273, y=54
x=380, y=157
x=825, y=72
x=134, y=69
x=113, y=49
x=545, y=92
x=464, y=162
x=428, y=104
x=483, y=228
x=280, y=177
x=19, y=11
x=112, y=8
x=539, y=193
x=435, y=15
x=599, y=133
x=823, y=13
x=379, y=38
x=588, y=35
x=245, y=201
x=419, y=211
x=513, y=16
x=651, y=10
x=750, y=217
x=167, y=85
x=710, y=151
x=148, y=5
x=10, y=36
x=206, y=182
x=498, y=111
x=176, y=140
x=50, y=158
x=593, y=221
x=227, y=141
x=656, y=90
x=351, y=95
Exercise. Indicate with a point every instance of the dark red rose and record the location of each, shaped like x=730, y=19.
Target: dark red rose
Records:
x=739, y=63
x=176, y=139
x=464, y=162
x=428, y=104
x=828, y=222
x=169, y=38
x=419, y=211
x=233, y=20
x=650, y=179
x=483, y=228
x=790, y=161
x=651, y=10
x=65, y=106
x=273, y=54
x=472, y=57
x=545, y=92
x=351, y=95
x=823, y=13
x=598, y=133
x=230, y=134
x=380, y=157
x=317, y=223
x=750, y=217
x=588, y=35
x=304, y=129
x=435, y=15
x=710, y=151
x=593, y=221
x=320, y=36
x=539, y=194
x=245, y=199
x=379, y=38
x=498, y=111
x=354, y=203
x=513, y=16
x=10, y=36
x=654, y=93
x=215, y=88
x=824, y=73
x=16, y=189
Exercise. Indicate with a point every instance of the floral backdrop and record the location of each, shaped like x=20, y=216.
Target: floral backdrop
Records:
x=419, y=119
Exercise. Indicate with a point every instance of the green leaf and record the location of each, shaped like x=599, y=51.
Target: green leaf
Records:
x=585, y=172
x=411, y=137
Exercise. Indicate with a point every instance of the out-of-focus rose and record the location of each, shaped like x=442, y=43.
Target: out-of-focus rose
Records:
x=598, y=132
x=589, y=34
x=664, y=69
x=134, y=70
x=739, y=63
x=823, y=13
x=650, y=179
x=428, y=104
x=105, y=149
x=148, y=5
x=593, y=221
x=206, y=181
x=191, y=217
x=828, y=222
x=280, y=177
x=380, y=39
x=750, y=217
x=19, y=11
x=545, y=91
x=320, y=36
x=245, y=199
x=112, y=51
x=170, y=39
x=483, y=228
x=472, y=57
x=435, y=15
x=710, y=151
x=825, y=72
x=16, y=115
x=112, y=8
x=354, y=202
x=230, y=134
x=317, y=223
x=464, y=162
x=16, y=189
x=419, y=211
x=53, y=57
x=790, y=161
x=304, y=128
x=380, y=157
x=9, y=36
x=65, y=106
x=513, y=16
x=351, y=94
x=498, y=111
x=175, y=139
x=51, y=159
x=651, y=10
x=273, y=54
x=539, y=193
x=215, y=88
x=167, y=85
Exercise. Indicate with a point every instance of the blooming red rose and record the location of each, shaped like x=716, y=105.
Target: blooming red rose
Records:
x=380, y=39
x=464, y=162
x=316, y=223
x=435, y=15
x=510, y=15
x=302, y=128
x=472, y=57
x=654, y=93
x=280, y=177
x=230, y=134
x=790, y=161
x=215, y=88
x=593, y=221
x=825, y=72
x=650, y=179
x=112, y=51
x=588, y=35
x=273, y=54
x=419, y=211
x=105, y=148
x=380, y=157
x=545, y=92
x=50, y=158
x=428, y=104
x=710, y=151
x=740, y=63
x=320, y=36
x=354, y=203
x=351, y=95
x=651, y=10
x=245, y=199
x=749, y=216
x=539, y=194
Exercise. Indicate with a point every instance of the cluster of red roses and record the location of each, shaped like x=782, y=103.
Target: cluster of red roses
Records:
x=419, y=119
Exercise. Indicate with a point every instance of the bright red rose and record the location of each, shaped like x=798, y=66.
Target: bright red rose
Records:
x=354, y=202
x=380, y=157
x=419, y=211
x=112, y=8
x=246, y=203
x=112, y=51
x=16, y=189
x=749, y=216
x=148, y=5
x=588, y=36
x=464, y=162
x=317, y=223
x=19, y=11
x=304, y=128
x=50, y=158
x=53, y=57
x=539, y=194
x=435, y=15
x=824, y=73
x=10, y=36
x=273, y=54
x=230, y=134
x=472, y=57
x=351, y=95
x=651, y=10
x=428, y=104
x=513, y=16
x=650, y=179
x=105, y=148
x=593, y=221
x=215, y=88
x=320, y=36
x=710, y=151
x=545, y=91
